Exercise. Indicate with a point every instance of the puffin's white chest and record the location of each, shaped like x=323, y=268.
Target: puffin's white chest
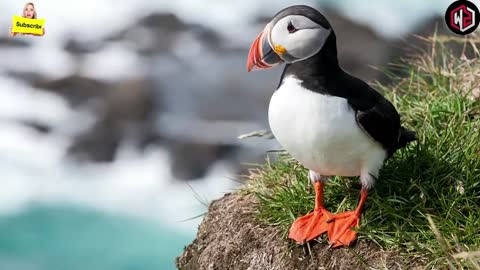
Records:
x=321, y=132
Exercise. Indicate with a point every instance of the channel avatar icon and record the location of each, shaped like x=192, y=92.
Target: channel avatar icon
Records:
x=462, y=17
x=28, y=23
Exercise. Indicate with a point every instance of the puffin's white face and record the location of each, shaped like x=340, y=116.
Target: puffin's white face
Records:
x=289, y=38
x=296, y=37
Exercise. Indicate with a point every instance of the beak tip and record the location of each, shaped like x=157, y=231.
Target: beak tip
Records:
x=251, y=68
x=250, y=65
x=256, y=54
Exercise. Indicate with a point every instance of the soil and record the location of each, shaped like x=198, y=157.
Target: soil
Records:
x=230, y=238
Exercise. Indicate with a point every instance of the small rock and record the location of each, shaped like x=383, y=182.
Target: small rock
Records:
x=75, y=88
x=98, y=145
x=164, y=21
x=154, y=33
x=126, y=113
x=15, y=42
x=39, y=127
x=191, y=161
x=78, y=47
x=157, y=33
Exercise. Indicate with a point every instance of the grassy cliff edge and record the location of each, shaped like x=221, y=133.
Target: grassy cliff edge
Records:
x=425, y=208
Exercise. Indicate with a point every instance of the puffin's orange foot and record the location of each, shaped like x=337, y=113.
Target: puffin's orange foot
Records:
x=340, y=231
x=310, y=226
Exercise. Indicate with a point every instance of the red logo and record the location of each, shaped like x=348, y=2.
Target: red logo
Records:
x=462, y=17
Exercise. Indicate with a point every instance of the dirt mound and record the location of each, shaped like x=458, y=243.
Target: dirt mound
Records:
x=230, y=238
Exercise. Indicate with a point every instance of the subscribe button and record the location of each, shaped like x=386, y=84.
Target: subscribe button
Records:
x=27, y=26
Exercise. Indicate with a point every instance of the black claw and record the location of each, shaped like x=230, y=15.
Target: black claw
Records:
x=305, y=248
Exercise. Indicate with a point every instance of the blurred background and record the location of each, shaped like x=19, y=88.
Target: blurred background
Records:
x=121, y=123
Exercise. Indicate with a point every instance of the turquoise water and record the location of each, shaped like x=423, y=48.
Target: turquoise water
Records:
x=52, y=238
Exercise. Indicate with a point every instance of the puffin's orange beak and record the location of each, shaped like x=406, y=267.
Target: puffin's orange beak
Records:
x=262, y=55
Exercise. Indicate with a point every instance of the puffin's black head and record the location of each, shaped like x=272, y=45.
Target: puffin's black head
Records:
x=294, y=34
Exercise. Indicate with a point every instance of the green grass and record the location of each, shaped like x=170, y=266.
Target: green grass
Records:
x=427, y=199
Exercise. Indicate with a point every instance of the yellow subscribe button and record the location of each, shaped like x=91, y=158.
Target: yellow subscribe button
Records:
x=27, y=26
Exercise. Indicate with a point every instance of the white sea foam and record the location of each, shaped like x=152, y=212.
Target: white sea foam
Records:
x=34, y=169
x=113, y=62
x=20, y=102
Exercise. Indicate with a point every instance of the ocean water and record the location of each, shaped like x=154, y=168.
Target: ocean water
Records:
x=56, y=215
x=59, y=215
x=54, y=237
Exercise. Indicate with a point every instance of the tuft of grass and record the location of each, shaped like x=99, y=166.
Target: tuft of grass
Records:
x=426, y=201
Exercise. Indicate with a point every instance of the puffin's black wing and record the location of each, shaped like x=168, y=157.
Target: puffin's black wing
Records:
x=374, y=114
x=381, y=121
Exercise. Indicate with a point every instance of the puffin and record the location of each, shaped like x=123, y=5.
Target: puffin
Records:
x=331, y=122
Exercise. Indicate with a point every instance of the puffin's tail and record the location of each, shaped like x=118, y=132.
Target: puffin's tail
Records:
x=405, y=137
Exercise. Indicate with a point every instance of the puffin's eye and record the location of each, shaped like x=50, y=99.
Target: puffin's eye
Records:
x=291, y=28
